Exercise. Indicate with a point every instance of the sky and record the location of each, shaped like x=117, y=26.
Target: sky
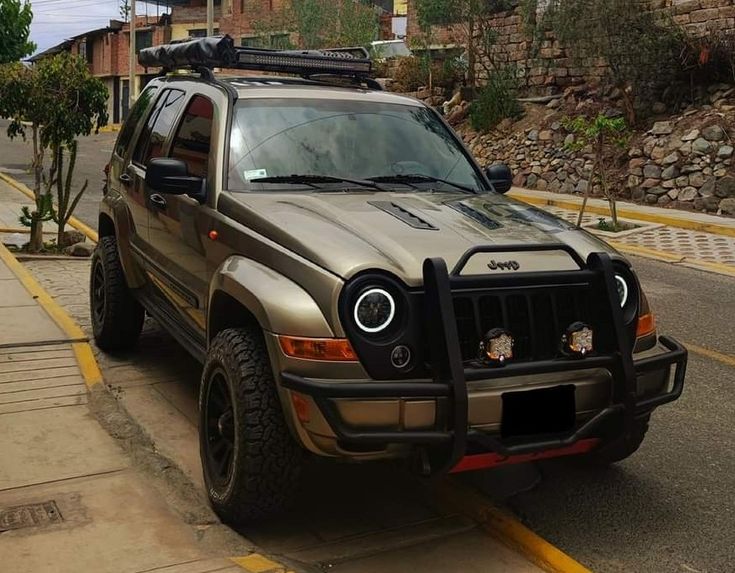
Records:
x=56, y=20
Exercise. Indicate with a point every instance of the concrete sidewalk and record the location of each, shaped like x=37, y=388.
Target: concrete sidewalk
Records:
x=70, y=499
x=696, y=240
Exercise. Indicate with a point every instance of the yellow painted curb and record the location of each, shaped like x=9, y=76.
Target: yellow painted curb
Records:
x=713, y=354
x=88, y=231
x=110, y=128
x=507, y=529
x=82, y=350
x=257, y=563
x=670, y=220
x=719, y=268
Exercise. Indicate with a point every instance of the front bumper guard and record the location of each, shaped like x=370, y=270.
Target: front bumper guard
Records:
x=451, y=377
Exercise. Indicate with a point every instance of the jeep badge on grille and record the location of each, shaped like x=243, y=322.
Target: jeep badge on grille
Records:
x=503, y=265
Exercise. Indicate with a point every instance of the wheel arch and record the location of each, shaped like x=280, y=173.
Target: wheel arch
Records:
x=244, y=292
x=114, y=220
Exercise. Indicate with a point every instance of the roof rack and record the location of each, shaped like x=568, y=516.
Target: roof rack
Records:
x=221, y=52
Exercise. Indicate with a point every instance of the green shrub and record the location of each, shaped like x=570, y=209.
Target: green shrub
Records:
x=496, y=100
x=411, y=74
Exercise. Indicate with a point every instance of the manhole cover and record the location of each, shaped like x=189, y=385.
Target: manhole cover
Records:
x=31, y=515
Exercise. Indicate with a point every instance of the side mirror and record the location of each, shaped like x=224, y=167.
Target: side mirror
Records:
x=500, y=176
x=171, y=177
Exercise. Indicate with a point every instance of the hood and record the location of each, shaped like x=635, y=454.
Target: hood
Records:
x=349, y=232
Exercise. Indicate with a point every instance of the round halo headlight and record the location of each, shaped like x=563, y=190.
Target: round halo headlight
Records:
x=375, y=310
x=622, y=287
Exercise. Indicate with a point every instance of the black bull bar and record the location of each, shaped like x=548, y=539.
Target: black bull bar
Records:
x=450, y=377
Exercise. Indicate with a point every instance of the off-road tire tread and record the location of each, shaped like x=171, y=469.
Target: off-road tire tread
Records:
x=124, y=315
x=620, y=448
x=268, y=467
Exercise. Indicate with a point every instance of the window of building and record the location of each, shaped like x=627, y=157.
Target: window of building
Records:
x=253, y=42
x=143, y=39
x=194, y=136
x=158, y=127
x=201, y=32
x=280, y=41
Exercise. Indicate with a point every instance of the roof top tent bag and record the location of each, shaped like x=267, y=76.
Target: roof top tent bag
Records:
x=221, y=52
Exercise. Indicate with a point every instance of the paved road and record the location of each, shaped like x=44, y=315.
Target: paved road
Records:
x=670, y=507
x=93, y=154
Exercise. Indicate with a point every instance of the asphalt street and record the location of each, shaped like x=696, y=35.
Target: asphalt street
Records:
x=669, y=508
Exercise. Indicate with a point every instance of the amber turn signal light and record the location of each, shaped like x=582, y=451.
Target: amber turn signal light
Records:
x=330, y=349
x=646, y=325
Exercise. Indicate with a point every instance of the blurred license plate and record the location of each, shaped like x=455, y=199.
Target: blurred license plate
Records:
x=544, y=411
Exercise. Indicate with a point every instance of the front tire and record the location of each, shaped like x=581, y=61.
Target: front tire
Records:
x=619, y=448
x=117, y=318
x=251, y=463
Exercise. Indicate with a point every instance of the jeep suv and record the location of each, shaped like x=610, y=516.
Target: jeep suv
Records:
x=356, y=285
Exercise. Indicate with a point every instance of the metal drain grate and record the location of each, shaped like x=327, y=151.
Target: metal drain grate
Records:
x=31, y=515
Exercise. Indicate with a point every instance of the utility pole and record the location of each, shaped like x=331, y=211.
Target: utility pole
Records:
x=210, y=17
x=132, y=91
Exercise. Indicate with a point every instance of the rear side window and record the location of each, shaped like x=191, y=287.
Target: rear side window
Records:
x=194, y=136
x=158, y=127
x=135, y=117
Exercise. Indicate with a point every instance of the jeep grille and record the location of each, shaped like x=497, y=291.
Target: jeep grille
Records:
x=537, y=318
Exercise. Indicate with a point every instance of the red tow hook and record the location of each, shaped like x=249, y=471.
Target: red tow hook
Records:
x=492, y=460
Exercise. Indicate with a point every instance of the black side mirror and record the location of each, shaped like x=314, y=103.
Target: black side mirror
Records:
x=171, y=176
x=500, y=176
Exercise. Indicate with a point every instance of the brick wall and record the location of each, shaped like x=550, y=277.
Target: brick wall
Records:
x=552, y=67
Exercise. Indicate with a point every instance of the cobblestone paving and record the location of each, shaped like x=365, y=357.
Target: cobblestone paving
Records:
x=689, y=244
x=156, y=359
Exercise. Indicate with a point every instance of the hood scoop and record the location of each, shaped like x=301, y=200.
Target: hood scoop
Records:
x=474, y=214
x=406, y=216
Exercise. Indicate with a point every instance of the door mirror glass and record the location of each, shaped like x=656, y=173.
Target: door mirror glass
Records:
x=500, y=176
x=171, y=176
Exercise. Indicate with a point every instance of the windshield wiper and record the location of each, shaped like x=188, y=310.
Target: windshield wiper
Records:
x=314, y=180
x=408, y=179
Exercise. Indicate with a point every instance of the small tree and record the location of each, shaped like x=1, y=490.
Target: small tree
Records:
x=640, y=47
x=61, y=100
x=74, y=103
x=473, y=26
x=15, y=28
x=323, y=23
x=21, y=102
x=602, y=134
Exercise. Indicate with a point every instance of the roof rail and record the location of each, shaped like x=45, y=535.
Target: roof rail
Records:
x=221, y=52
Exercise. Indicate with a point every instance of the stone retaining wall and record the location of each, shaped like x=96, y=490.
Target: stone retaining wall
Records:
x=552, y=68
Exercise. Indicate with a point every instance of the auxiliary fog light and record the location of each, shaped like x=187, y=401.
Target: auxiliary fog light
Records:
x=578, y=339
x=497, y=346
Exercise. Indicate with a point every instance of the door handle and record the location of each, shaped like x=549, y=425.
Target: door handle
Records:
x=125, y=179
x=158, y=201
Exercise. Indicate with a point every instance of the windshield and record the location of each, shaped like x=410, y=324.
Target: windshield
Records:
x=343, y=139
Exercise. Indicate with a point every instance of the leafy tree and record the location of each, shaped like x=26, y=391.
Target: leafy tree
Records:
x=639, y=47
x=602, y=134
x=61, y=100
x=15, y=27
x=472, y=25
x=323, y=23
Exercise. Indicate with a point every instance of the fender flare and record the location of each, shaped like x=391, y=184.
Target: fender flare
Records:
x=278, y=304
x=114, y=207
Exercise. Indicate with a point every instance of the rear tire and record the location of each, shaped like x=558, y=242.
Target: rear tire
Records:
x=251, y=463
x=117, y=318
x=619, y=448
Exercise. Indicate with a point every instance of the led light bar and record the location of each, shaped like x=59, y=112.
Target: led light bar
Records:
x=294, y=62
x=221, y=52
